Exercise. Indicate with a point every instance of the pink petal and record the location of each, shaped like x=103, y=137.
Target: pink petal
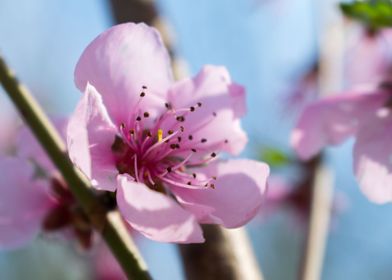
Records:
x=119, y=62
x=237, y=197
x=217, y=120
x=332, y=120
x=23, y=203
x=90, y=135
x=155, y=215
x=369, y=59
x=373, y=158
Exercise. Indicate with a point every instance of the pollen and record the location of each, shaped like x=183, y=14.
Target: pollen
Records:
x=160, y=135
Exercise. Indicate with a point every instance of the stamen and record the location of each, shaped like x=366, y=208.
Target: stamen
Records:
x=178, y=184
x=136, y=169
x=159, y=143
x=150, y=178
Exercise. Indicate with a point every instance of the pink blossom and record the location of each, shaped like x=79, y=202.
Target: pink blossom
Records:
x=369, y=57
x=364, y=114
x=24, y=202
x=34, y=197
x=155, y=141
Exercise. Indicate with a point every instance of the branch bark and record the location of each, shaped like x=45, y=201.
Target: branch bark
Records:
x=226, y=254
x=107, y=223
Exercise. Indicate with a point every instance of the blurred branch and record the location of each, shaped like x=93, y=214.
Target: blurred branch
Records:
x=330, y=80
x=111, y=228
x=226, y=254
x=318, y=224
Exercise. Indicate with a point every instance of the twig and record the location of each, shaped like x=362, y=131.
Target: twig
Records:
x=111, y=228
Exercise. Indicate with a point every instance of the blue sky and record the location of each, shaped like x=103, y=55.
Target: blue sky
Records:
x=262, y=43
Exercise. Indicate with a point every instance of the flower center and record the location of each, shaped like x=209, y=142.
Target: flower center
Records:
x=161, y=151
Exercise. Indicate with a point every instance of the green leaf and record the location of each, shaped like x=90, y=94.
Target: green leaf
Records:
x=274, y=157
x=374, y=14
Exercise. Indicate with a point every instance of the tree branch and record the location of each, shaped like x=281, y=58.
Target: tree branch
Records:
x=108, y=224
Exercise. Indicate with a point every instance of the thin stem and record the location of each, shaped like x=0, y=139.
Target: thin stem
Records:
x=111, y=229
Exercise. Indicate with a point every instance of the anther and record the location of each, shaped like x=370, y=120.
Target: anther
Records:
x=146, y=114
x=192, y=109
x=160, y=135
x=180, y=118
x=168, y=106
x=142, y=94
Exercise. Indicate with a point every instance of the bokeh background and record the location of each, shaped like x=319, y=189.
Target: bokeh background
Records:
x=267, y=45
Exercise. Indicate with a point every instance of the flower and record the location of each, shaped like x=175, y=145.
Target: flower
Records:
x=368, y=57
x=365, y=114
x=23, y=203
x=156, y=142
x=34, y=198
